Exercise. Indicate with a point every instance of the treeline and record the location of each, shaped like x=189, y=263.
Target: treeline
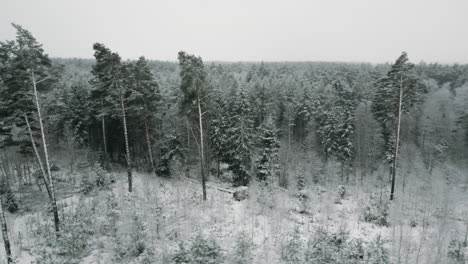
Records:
x=253, y=118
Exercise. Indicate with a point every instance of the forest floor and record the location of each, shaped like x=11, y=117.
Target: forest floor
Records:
x=172, y=213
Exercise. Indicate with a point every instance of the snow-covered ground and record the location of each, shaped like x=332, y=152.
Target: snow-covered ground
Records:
x=173, y=212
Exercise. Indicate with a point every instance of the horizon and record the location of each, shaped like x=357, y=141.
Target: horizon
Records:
x=270, y=31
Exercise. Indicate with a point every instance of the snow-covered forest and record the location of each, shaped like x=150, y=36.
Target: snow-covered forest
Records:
x=108, y=160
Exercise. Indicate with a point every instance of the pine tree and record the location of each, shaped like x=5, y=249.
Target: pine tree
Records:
x=193, y=87
x=397, y=93
x=104, y=74
x=114, y=83
x=147, y=102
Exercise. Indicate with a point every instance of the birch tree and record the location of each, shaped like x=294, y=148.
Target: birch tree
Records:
x=25, y=70
x=6, y=239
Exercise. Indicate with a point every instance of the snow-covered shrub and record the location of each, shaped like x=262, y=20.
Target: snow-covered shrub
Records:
x=77, y=225
x=335, y=248
x=86, y=184
x=202, y=251
x=9, y=199
x=301, y=181
x=137, y=236
x=341, y=191
x=147, y=257
x=354, y=251
x=325, y=247
x=377, y=253
x=95, y=179
x=340, y=194
x=455, y=252
x=377, y=210
x=293, y=251
x=111, y=214
x=243, y=249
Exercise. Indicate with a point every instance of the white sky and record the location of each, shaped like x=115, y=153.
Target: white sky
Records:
x=248, y=30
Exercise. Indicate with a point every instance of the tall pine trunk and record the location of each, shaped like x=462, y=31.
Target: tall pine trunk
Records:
x=38, y=157
x=46, y=157
x=127, y=149
x=202, y=156
x=6, y=240
x=148, y=142
x=397, y=141
x=104, y=139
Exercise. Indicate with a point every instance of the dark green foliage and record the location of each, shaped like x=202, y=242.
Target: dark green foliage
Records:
x=20, y=59
x=377, y=210
x=193, y=83
x=202, y=251
x=302, y=116
x=9, y=199
x=240, y=139
x=386, y=100
x=170, y=149
x=219, y=125
x=259, y=103
x=75, y=112
x=334, y=114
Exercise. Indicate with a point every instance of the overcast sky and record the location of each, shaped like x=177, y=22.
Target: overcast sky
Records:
x=248, y=30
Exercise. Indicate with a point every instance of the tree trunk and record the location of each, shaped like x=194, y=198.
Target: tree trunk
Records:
x=127, y=149
x=6, y=240
x=150, y=152
x=104, y=139
x=38, y=157
x=187, y=157
x=201, y=146
x=397, y=141
x=46, y=156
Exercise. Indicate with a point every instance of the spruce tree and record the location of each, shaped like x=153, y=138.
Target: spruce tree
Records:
x=240, y=139
x=267, y=165
x=334, y=115
x=219, y=125
x=302, y=116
